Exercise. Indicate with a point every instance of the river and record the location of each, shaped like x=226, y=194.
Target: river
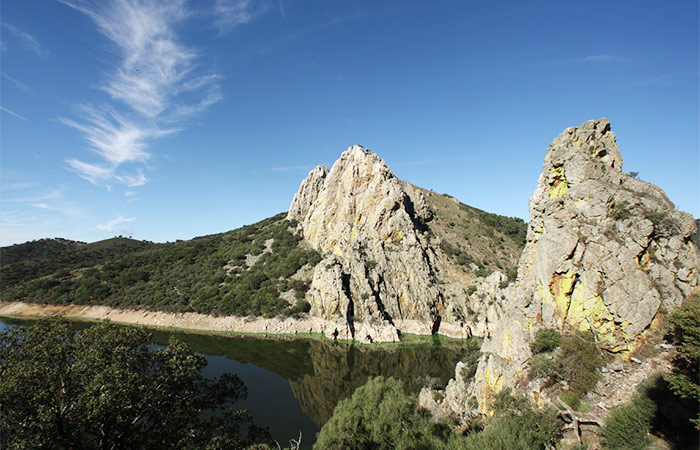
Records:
x=294, y=384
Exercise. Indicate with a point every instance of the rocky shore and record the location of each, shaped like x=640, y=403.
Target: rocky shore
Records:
x=203, y=322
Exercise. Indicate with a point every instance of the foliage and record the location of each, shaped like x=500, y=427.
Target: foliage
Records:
x=512, y=226
x=104, y=387
x=577, y=362
x=571, y=399
x=685, y=334
x=546, y=340
x=31, y=260
x=379, y=415
x=621, y=211
x=208, y=274
x=664, y=226
x=516, y=425
x=626, y=427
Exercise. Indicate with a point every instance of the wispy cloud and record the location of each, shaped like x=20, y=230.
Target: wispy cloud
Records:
x=232, y=13
x=24, y=87
x=588, y=59
x=109, y=226
x=12, y=113
x=155, y=87
x=26, y=39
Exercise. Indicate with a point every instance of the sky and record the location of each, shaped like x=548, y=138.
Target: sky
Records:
x=167, y=120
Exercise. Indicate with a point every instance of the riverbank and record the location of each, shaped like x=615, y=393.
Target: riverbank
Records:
x=364, y=333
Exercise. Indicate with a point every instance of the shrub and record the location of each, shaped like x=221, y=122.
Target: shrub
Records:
x=546, y=340
x=685, y=377
x=620, y=211
x=577, y=362
x=379, y=415
x=626, y=428
x=516, y=425
x=571, y=399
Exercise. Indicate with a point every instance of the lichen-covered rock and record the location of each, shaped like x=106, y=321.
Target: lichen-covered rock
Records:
x=604, y=249
x=604, y=252
x=378, y=266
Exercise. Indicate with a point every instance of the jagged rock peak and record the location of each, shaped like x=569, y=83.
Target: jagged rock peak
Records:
x=378, y=265
x=605, y=251
x=358, y=194
x=308, y=191
x=586, y=152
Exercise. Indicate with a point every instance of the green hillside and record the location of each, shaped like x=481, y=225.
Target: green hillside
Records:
x=243, y=272
x=35, y=259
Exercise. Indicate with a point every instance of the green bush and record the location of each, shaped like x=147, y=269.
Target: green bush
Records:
x=626, y=427
x=379, y=415
x=577, y=361
x=685, y=377
x=546, y=340
x=516, y=425
x=571, y=399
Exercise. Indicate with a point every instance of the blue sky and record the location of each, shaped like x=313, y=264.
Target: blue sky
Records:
x=174, y=119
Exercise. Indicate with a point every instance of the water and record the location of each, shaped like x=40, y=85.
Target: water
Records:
x=294, y=384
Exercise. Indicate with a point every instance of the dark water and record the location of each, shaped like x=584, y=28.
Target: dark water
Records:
x=294, y=384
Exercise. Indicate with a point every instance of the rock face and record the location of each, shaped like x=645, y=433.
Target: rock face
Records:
x=605, y=251
x=379, y=267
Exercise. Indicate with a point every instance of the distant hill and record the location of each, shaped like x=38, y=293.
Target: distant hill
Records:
x=35, y=259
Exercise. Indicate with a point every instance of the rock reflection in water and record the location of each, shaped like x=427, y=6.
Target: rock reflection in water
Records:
x=323, y=372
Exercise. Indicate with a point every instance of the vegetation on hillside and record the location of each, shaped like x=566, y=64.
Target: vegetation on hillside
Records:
x=654, y=410
x=474, y=238
x=573, y=358
x=106, y=388
x=36, y=259
x=380, y=415
x=685, y=334
x=232, y=273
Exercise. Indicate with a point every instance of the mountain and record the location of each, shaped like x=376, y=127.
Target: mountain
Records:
x=371, y=253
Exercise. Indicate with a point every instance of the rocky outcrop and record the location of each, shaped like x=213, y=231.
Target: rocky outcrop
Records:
x=605, y=252
x=379, y=266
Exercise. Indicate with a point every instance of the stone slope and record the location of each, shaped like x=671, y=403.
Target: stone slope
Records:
x=605, y=252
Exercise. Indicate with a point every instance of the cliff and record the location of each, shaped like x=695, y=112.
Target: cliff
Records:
x=605, y=253
x=378, y=265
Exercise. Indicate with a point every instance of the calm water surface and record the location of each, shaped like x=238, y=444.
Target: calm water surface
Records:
x=294, y=384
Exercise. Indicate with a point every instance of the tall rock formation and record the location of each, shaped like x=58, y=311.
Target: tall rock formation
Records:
x=379, y=271
x=605, y=252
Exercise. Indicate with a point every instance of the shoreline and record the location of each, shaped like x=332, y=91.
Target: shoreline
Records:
x=196, y=322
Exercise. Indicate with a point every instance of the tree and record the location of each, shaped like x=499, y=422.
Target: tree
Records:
x=685, y=377
x=105, y=387
x=379, y=415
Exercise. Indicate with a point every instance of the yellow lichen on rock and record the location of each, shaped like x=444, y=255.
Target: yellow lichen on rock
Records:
x=558, y=184
x=561, y=287
x=587, y=310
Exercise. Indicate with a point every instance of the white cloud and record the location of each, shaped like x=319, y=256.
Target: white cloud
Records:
x=109, y=226
x=232, y=13
x=94, y=173
x=27, y=40
x=155, y=87
x=12, y=113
